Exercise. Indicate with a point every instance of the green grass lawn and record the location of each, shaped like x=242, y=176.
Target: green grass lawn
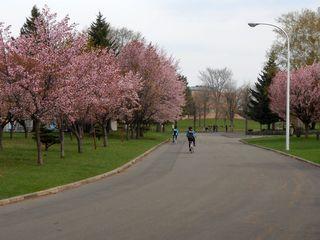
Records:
x=19, y=173
x=306, y=148
x=239, y=124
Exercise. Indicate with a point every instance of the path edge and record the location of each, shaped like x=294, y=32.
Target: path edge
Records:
x=82, y=182
x=282, y=153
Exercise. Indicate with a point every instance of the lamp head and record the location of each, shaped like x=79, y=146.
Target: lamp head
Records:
x=253, y=24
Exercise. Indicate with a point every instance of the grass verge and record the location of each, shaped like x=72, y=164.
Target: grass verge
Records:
x=307, y=148
x=19, y=173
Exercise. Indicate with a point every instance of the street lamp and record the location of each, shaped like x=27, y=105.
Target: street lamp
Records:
x=288, y=81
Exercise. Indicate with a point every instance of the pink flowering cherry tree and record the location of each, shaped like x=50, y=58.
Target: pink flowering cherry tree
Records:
x=5, y=78
x=161, y=95
x=304, y=93
x=39, y=60
x=117, y=94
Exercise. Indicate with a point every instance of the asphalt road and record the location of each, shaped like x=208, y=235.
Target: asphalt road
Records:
x=225, y=190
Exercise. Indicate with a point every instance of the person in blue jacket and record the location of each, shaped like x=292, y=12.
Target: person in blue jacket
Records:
x=191, y=135
x=175, y=133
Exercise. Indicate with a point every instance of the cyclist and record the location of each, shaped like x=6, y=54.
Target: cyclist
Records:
x=191, y=135
x=175, y=133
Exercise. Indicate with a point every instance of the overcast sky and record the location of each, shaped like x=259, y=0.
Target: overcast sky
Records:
x=198, y=33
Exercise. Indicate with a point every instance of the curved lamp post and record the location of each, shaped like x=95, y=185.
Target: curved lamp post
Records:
x=288, y=81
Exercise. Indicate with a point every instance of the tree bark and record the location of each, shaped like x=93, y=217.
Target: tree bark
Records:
x=105, y=134
x=232, y=124
x=38, y=141
x=131, y=131
x=138, y=128
x=204, y=114
x=1, y=137
x=306, y=126
x=25, y=129
x=141, y=131
x=127, y=131
x=158, y=128
x=11, y=129
x=61, y=136
x=94, y=137
x=77, y=131
x=79, y=143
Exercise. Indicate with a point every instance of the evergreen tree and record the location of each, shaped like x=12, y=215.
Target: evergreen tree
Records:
x=258, y=107
x=100, y=34
x=189, y=107
x=29, y=26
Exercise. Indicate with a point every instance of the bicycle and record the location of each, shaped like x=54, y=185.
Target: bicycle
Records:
x=191, y=146
x=174, y=138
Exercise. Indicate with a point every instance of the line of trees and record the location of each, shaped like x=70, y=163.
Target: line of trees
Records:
x=268, y=96
x=218, y=94
x=52, y=72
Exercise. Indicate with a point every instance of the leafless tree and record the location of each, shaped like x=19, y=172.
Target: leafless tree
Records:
x=244, y=99
x=232, y=96
x=201, y=99
x=216, y=80
x=122, y=36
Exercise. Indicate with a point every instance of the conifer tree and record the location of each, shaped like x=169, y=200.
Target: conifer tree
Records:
x=100, y=35
x=258, y=107
x=29, y=26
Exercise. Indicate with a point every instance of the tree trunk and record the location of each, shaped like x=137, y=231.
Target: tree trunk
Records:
x=94, y=137
x=194, y=121
x=232, y=124
x=1, y=137
x=246, y=126
x=33, y=126
x=216, y=116
x=131, y=131
x=38, y=141
x=79, y=143
x=77, y=131
x=11, y=129
x=25, y=130
x=158, y=128
x=70, y=134
x=138, y=130
x=105, y=134
x=127, y=131
x=108, y=127
x=141, y=131
x=204, y=115
x=61, y=136
x=306, y=126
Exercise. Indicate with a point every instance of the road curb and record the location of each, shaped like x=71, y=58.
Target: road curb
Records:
x=282, y=153
x=82, y=182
